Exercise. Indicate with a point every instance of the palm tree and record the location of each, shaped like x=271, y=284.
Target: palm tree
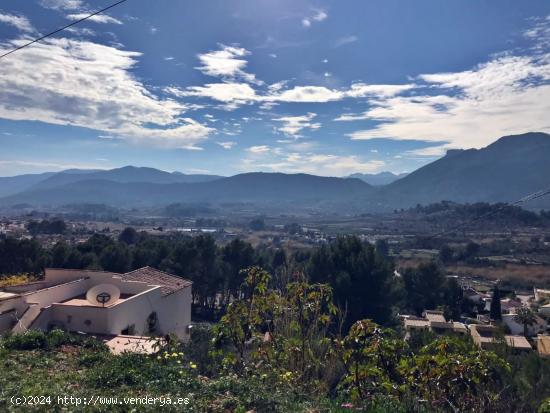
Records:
x=526, y=317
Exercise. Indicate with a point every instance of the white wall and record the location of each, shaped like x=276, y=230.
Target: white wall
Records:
x=174, y=313
x=517, y=328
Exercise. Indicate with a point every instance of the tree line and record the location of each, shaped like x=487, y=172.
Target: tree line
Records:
x=361, y=275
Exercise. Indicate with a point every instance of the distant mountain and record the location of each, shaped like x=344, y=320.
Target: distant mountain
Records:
x=505, y=171
x=508, y=169
x=125, y=174
x=13, y=184
x=269, y=189
x=382, y=178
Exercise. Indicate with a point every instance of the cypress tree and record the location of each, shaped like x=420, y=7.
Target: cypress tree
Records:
x=496, y=312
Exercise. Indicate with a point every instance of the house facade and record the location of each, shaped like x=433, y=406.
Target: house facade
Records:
x=144, y=302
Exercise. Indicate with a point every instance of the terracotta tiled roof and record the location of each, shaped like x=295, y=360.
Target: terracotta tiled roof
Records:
x=169, y=283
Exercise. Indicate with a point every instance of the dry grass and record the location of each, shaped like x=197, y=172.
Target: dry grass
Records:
x=16, y=280
x=515, y=274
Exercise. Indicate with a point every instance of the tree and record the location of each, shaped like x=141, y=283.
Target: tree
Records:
x=445, y=254
x=424, y=287
x=361, y=278
x=257, y=224
x=525, y=317
x=115, y=258
x=382, y=247
x=129, y=236
x=471, y=251
x=496, y=311
x=237, y=255
x=371, y=356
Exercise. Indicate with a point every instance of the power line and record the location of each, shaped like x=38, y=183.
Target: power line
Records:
x=62, y=28
x=527, y=198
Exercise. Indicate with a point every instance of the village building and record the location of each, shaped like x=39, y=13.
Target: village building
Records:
x=433, y=321
x=487, y=337
x=539, y=326
x=144, y=302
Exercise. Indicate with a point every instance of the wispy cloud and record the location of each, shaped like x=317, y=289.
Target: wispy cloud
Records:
x=227, y=145
x=345, y=40
x=240, y=88
x=62, y=4
x=313, y=163
x=99, y=18
x=19, y=22
x=293, y=125
x=259, y=149
x=96, y=90
x=507, y=95
x=317, y=16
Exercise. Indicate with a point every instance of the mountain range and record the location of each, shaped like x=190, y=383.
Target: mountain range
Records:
x=508, y=169
x=382, y=178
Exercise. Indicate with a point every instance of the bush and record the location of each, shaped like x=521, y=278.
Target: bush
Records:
x=29, y=340
x=39, y=340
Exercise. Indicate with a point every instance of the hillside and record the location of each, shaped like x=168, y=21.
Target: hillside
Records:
x=10, y=185
x=506, y=170
x=125, y=174
x=261, y=188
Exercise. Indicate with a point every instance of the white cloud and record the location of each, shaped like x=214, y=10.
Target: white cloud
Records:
x=259, y=149
x=235, y=94
x=98, y=18
x=313, y=163
x=227, y=145
x=239, y=88
x=318, y=16
x=95, y=90
x=62, y=4
x=432, y=151
x=342, y=41
x=19, y=22
x=80, y=31
x=168, y=58
x=293, y=125
x=470, y=109
x=539, y=33
x=54, y=166
x=227, y=63
x=239, y=93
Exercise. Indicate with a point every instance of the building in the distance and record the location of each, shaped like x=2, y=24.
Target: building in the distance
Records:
x=144, y=302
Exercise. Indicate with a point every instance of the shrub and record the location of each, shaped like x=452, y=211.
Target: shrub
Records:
x=29, y=340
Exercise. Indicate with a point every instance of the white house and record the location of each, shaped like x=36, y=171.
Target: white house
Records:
x=516, y=328
x=139, y=303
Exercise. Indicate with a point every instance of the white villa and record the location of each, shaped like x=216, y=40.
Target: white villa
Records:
x=143, y=302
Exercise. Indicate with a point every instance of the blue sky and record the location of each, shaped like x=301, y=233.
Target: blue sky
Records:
x=222, y=86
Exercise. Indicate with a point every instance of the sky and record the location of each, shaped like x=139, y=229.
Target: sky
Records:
x=296, y=86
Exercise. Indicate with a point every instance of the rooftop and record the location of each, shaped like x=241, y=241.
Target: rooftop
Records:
x=169, y=283
x=518, y=342
x=543, y=345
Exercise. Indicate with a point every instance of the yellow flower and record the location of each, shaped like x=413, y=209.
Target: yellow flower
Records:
x=192, y=365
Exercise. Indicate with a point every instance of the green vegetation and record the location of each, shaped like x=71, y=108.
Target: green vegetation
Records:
x=55, y=226
x=281, y=351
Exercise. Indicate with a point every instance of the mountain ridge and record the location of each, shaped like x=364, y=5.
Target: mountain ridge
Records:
x=504, y=171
